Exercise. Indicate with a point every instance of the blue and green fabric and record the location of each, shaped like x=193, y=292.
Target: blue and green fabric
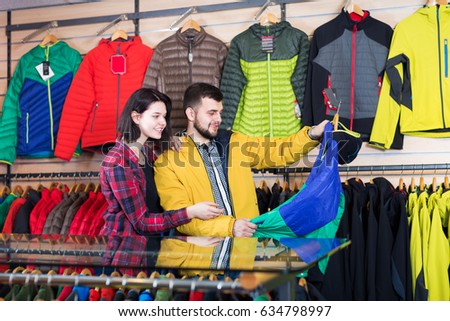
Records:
x=320, y=201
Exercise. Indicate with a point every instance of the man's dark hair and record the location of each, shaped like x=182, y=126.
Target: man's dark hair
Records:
x=139, y=101
x=196, y=92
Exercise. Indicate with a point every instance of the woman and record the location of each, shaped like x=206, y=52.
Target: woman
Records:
x=143, y=128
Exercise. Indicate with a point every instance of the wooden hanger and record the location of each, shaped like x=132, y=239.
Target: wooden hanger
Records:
x=52, y=272
x=52, y=185
x=26, y=191
x=86, y=271
x=353, y=7
x=17, y=190
x=191, y=24
x=119, y=33
x=90, y=187
x=262, y=183
x=5, y=191
x=269, y=19
x=73, y=188
x=61, y=187
x=142, y=275
x=98, y=188
x=446, y=184
x=435, y=2
x=68, y=271
x=285, y=186
x=115, y=274
x=294, y=186
x=421, y=184
x=40, y=187
x=434, y=185
x=154, y=275
x=49, y=39
x=80, y=187
x=412, y=186
x=277, y=181
x=400, y=184
x=18, y=269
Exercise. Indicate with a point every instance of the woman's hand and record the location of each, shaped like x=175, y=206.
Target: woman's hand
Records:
x=175, y=143
x=204, y=210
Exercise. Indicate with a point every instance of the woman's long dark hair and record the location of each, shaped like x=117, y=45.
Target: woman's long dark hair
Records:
x=139, y=101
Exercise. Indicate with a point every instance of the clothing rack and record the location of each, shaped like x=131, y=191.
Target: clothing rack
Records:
x=119, y=282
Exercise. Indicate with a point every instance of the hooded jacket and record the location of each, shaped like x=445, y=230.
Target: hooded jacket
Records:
x=261, y=88
x=182, y=180
x=97, y=95
x=32, y=107
x=416, y=88
x=181, y=60
x=348, y=54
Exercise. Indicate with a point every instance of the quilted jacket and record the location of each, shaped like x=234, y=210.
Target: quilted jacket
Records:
x=261, y=89
x=97, y=95
x=32, y=107
x=181, y=60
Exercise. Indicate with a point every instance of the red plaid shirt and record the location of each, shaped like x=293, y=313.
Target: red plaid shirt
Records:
x=123, y=184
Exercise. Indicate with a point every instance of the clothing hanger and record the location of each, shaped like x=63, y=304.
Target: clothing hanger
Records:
x=52, y=185
x=90, y=187
x=49, y=39
x=5, y=191
x=61, y=187
x=269, y=19
x=421, y=184
x=26, y=191
x=400, y=184
x=80, y=187
x=119, y=33
x=294, y=186
x=98, y=188
x=191, y=24
x=413, y=184
x=431, y=3
x=277, y=181
x=142, y=275
x=86, y=271
x=285, y=186
x=352, y=7
x=434, y=185
x=446, y=184
x=73, y=188
x=17, y=190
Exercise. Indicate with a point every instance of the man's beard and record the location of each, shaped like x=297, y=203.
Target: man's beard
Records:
x=204, y=131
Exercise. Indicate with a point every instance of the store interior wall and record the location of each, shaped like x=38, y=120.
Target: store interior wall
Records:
x=305, y=15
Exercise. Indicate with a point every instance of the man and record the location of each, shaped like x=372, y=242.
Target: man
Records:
x=215, y=165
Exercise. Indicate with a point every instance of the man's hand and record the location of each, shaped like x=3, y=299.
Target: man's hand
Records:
x=243, y=228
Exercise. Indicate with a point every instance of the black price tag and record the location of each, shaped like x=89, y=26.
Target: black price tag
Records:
x=46, y=68
x=267, y=43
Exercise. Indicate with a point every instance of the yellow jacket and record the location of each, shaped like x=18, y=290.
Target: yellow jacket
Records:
x=182, y=180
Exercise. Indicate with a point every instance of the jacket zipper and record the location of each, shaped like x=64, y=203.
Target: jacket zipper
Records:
x=190, y=56
x=27, y=127
x=446, y=57
x=49, y=97
x=118, y=94
x=352, y=86
x=269, y=85
x=93, y=118
x=440, y=64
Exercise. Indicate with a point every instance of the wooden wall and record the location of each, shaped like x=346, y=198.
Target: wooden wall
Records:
x=305, y=15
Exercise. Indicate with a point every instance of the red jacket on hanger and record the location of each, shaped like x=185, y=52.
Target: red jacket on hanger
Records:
x=107, y=76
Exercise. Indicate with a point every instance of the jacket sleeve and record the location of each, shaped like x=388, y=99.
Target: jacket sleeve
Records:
x=79, y=103
x=173, y=194
x=298, y=78
x=264, y=152
x=395, y=93
x=232, y=85
x=153, y=74
x=10, y=114
x=314, y=108
x=221, y=58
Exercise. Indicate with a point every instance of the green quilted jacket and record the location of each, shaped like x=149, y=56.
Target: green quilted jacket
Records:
x=261, y=88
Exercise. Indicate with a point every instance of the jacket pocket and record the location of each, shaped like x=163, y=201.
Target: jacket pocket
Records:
x=93, y=117
x=27, y=128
